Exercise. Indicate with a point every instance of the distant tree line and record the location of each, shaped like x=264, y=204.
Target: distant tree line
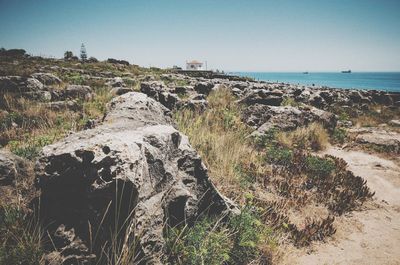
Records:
x=68, y=56
x=13, y=52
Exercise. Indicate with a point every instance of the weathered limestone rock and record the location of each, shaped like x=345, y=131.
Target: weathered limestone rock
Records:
x=77, y=91
x=262, y=96
x=12, y=167
x=63, y=105
x=395, y=123
x=71, y=249
x=387, y=140
x=136, y=165
x=16, y=179
x=120, y=90
x=116, y=82
x=161, y=93
x=24, y=87
x=18, y=84
x=47, y=78
x=264, y=118
x=203, y=87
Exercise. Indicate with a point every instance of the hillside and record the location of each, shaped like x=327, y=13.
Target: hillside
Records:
x=112, y=163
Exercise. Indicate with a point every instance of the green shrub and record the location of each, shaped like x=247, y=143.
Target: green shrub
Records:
x=279, y=155
x=30, y=149
x=313, y=136
x=246, y=177
x=238, y=240
x=290, y=102
x=248, y=232
x=204, y=243
x=319, y=167
x=339, y=135
x=229, y=119
x=269, y=138
x=344, y=116
x=74, y=78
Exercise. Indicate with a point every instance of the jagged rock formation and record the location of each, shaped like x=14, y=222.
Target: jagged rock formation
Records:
x=15, y=174
x=377, y=137
x=264, y=117
x=26, y=86
x=136, y=166
x=12, y=167
x=263, y=96
x=160, y=92
x=47, y=78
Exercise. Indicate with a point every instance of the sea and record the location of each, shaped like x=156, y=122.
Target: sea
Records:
x=387, y=81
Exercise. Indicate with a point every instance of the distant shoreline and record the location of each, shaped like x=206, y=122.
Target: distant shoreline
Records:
x=385, y=81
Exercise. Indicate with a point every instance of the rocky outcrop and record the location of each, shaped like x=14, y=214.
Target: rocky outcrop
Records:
x=70, y=249
x=160, y=92
x=12, y=168
x=16, y=179
x=203, y=87
x=19, y=84
x=64, y=105
x=47, y=78
x=263, y=117
x=77, y=91
x=382, y=139
x=135, y=165
x=263, y=96
x=116, y=82
x=23, y=86
x=120, y=90
x=395, y=123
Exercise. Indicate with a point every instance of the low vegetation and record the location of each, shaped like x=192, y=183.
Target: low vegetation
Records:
x=28, y=125
x=221, y=139
x=312, y=137
x=276, y=179
x=21, y=237
x=279, y=166
x=214, y=241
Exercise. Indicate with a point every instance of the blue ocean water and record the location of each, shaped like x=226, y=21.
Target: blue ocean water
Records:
x=388, y=81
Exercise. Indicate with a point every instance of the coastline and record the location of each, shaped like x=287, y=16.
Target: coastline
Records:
x=382, y=81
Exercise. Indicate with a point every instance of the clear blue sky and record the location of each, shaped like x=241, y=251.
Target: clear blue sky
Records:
x=232, y=35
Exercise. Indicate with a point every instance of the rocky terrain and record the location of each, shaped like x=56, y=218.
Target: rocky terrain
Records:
x=108, y=163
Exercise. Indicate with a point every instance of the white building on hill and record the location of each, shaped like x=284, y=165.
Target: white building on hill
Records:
x=194, y=65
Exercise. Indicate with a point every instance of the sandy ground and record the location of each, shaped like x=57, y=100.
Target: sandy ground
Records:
x=368, y=236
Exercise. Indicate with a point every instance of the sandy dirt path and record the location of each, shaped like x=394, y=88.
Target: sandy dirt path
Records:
x=371, y=235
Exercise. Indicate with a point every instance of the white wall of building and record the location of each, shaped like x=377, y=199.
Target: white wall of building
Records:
x=192, y=66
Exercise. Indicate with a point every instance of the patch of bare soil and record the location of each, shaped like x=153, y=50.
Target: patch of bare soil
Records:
x=370, y=235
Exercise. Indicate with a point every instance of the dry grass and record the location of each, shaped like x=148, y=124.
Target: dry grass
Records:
x=313, y=137
x=220, y=138
x=28, y=118
x=376, y=115
x=236, y=167
x=28, y=125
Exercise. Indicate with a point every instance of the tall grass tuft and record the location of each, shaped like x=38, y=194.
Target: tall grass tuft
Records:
x=21, y=237
x=313, y=137
x=221, y=139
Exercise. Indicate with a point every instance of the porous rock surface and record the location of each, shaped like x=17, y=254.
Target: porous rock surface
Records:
x=381, y=138
x=264, y=117
x=15, y=179
x=47, y=78
x=135, y=161
x=160, y=93
x=12, y=167
x=23, y=86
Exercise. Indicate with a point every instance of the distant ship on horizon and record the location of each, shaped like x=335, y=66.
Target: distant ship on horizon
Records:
x=306, y=73
x=346, y=72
